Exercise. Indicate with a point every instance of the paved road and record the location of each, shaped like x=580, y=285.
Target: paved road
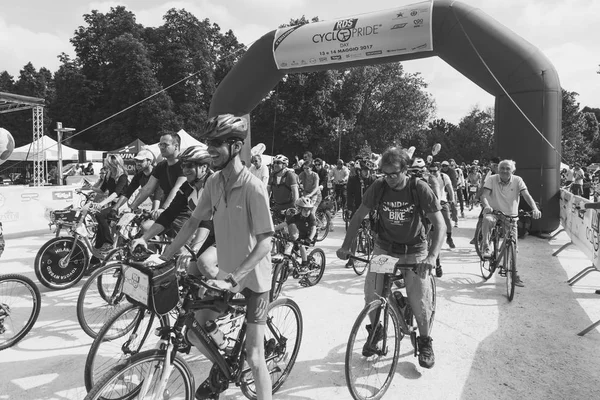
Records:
x=486, y=348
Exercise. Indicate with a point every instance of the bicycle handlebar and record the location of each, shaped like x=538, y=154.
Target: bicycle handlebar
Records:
x=404, y=267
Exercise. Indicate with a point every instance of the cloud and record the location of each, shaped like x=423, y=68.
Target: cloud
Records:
x=18, y=46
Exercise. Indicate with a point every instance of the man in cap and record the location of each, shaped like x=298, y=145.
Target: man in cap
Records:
x=144, y=164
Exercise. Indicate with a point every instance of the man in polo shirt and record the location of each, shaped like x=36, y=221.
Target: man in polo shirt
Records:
x=501, y=193
x=239, y=205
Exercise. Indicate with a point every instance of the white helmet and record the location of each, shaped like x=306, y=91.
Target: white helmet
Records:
x=282, y=159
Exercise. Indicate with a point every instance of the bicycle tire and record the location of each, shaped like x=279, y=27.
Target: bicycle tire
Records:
x=510, y=261
x=16, y=332
x=99, y=298
x=277, y=280
x=316, y=266
x=280, y=335
x=129, y=332
x=323, y=225
x=479, y=240
x=376, y=388
x=117, y=376
x=364, y=249
x=47, y=262
x=487, y=266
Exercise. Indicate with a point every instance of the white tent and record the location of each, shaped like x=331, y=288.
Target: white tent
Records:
x=186, y=141
x=49, y=147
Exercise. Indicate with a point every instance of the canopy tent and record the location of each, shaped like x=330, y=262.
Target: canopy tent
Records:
x=187, y=140
x=130, y=150
x=50, y=148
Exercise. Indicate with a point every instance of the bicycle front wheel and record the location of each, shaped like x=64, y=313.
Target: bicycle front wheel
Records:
x=144, y=370
x=277, y=280
x=129, y=332
x=372, y=357
x=510, y=261
x=316, y=266
x=283, y=336
x=100, y=298
x=364, y=249
x=323, y=225
x=61, y=262
x=20, y=303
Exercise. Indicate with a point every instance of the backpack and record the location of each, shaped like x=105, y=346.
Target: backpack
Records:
x=413, y=198
x=282, y=182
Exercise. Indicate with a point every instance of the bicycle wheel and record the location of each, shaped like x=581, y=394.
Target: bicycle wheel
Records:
x=487, y=266
x=100, y=297
x=510, y=262
x=323, y=225
x=479, y=240
x=53, y=266
x=369, y=376
x=128, y=332
x=283, y=337
x=279, y=277
x=20, y=303
x=364, y=249
x=125, y=381
x=316, y=266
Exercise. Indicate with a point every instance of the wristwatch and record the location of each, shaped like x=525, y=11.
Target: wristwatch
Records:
x=231, y=280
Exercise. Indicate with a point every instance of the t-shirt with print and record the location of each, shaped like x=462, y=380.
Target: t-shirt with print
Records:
x=167, y=175
x=281, y=187
x=304, y=224
x=505, y=197
x=399, y=219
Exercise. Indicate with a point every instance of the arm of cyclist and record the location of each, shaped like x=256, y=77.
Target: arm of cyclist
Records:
x=535, y=212
x=174, y=191
x=437, y=239
x=262, y=248
x=360, y=214
x=485, y=201
x=148, y=189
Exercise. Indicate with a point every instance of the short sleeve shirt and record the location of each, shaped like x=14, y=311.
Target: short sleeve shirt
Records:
x=239, y=216
x=399, y=218
x=261, y=173
x=309, y=181
x=117, y=186
x=281, y=187
x=167, y=175
x=304, y=224
x=505, y=198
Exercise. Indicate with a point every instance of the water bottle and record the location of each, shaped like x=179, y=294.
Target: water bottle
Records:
x=217, y=335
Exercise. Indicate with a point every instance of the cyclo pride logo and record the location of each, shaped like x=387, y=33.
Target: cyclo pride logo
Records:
x=344, y=30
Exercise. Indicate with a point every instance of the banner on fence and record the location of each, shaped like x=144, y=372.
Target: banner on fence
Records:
x=581, y=225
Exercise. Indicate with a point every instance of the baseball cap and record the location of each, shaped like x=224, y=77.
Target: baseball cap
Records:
x=445, y=163
x=144, y=154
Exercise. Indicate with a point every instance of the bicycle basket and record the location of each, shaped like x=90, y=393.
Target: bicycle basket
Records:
x=153, y=287
x=64, y=217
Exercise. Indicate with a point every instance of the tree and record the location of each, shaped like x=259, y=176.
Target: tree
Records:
x=575, y=148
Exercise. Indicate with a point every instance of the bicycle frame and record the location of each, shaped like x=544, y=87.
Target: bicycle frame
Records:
x=500, y=253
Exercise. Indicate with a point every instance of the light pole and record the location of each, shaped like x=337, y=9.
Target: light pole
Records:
x=340, y=132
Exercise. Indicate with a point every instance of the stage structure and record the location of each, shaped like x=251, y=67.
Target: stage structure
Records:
x=13, y=102
x=522, y=79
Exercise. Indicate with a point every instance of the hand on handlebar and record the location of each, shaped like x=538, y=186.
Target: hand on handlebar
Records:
x=537, y=214
x=156, y=213
x=222, y=285
x=487, y=210
x=425, y=267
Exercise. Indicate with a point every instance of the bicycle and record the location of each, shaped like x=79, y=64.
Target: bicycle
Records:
x=20, y=303
x=285, y=265
x=62, y=261
x=372, y=355
x=156, y=379
x=364, y=243
x=67, y=217
x=323, y=220
x=504, y=256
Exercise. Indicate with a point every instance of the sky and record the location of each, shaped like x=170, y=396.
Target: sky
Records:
x=566, y=31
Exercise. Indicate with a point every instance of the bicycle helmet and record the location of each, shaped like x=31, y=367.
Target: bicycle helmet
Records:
x=417, y=164
x=196, y=154
x=282, y=159
x=304, y=202
x=225, y=126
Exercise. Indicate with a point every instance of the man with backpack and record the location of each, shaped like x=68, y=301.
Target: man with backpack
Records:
x=402, y=203
x=283, y=184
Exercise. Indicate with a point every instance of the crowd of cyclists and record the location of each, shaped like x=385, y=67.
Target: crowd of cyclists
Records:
x=205, y=197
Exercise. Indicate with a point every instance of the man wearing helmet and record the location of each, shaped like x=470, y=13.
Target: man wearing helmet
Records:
x=283, y=184
x=144, y=164
x=167, y=174
x=195, y=162
x=239, y=205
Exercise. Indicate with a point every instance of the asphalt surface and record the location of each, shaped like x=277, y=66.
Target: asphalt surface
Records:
x=485, y=347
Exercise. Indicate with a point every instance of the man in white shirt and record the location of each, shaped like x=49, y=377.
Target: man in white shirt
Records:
x=501, y=192
x=258, y=169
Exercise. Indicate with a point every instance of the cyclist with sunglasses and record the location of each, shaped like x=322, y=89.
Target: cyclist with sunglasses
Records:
x=238, y=203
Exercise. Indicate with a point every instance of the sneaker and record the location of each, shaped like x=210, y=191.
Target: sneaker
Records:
x=519, y=282
x=369, y=350
x=426, y=356
x=450, y=242
x=438, y=271
x=205, y=391
x=304, y=282
x=350, y=264
x=472, y=241
x=105, y=249
x=462, y=214
x=456, y=224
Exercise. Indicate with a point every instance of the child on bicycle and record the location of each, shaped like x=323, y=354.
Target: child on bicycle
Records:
x=301, y=226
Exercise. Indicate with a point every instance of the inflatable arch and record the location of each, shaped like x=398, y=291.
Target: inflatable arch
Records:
x=489, y=54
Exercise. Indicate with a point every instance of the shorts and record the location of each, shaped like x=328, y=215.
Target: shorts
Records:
x=257, y=308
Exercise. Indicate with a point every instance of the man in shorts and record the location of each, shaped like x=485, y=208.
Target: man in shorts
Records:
x=239, y=205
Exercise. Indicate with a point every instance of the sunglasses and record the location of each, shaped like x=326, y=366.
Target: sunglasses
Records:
x=392, y=175
x=433, y=170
